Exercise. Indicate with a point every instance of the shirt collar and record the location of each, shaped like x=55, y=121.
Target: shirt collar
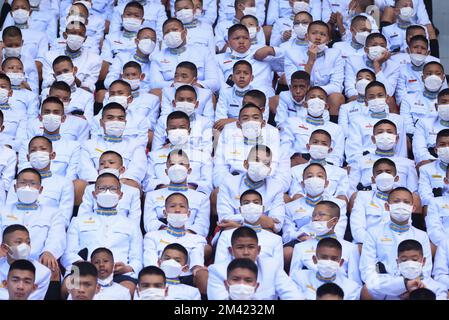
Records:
x=331, y=235
x=321, y=54
x=45, y=174
x=324, y=279
x=313, y=201
x=52, y=137
x=27, y=206
x=385, y=153
x=22, y=25
x=399, y=228
x=356, y=45
x=176, y=232
x=240, y=93
x=360, y=99
x=442, y=165
x=129, y=34
x=177, y=51
x=257, y=228
x=140, y=59
x=315, y=121
x=403, y=25
x=253, y=185
x=369, y=63
x=192, y=24
x=323, y=162
x=112, y=138
x=106, y=211
x=177, y=186
x=444, y=123
x=378, y=115
x=135, y=93
x=418, y=68
x=173, y=281
x=73, y=55
x=430, y=95
x=300, y=42
x=5, y=106
x=382, y=195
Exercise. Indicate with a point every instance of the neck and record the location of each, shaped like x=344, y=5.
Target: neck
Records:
x=51, y=133
x=141, y=54
x=46, y=169
x=72, y=51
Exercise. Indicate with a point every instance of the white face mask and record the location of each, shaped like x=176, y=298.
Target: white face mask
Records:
x=385, y=141
x=360, y=86
x=417, y=59
x=178, y=137
x=185, y=15
x=443, y=154
x=406, y=13
x=315, y=107
x=318, y=152
x=20, y=16
x=443, y=111
x=68, y=78
x=13, y=52
x=240, y=54
x=384, y=182
x=152, y=294
x=39, y=159
x=186, y=107
x=107, y=199
x=114, y=128
x=241, y=291
x=27, y=194
x=51, y=122
x=146, y=46
x=258, y=171
x=375, y=52
x=250, y=11
x=251, y=212
x=4, y=96
x=320, y=227
x=74, y=42
x=327, y=268
x=299, y=6
x=252, y=32
x=16, y=78
x=113, y=171
x=177, y=173
x=410, y=269
x=401, y=211
x=107, y=281
x=378, y=105
x=300, y=30
x=320, y=47
x=433, y=83
x=22, y=251
x=171, y=268
x=132, y=24
x=360, y=37
x=122, y=100
x=314, y=186
x=177, y=220
x=134, y=84
x=251, y=129
x=173, y=39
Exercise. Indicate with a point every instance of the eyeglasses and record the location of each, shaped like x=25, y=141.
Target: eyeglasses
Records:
x=320, y=215
x=104, y=189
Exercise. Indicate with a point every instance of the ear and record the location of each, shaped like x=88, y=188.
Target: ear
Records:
x=373, y=180
x=52, y=155
x=326, y=183
x=173, y=103
x=314, y=259
x=258, y=249
x=159, y=261
x=101, y=123
x=164, y=212
x=387, y=206
x=231, y=252
x=307, y=146
x=185, y=268
x=64, y=34
x=10, y=93
x=396, y=179
x=196, y=104
x=424, y=260
x=94, y=195
x=40, y=189
x=34, y=287
x=330, y=149
x=5, y=284
x=245, y=164
x=122, y=170
x=75, y=70
x=28, y=157
x=446, y=180
x=237, y=123
x=142, y=76
x=373, y=139
x=189, y=171
x=120, y=195
x=2, y=128
x=226, y=284
x=341, y=262
x=97, y=289
x=63, y=117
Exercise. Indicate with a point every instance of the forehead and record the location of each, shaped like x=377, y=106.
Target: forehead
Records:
x=249, y=20
x=375, y=89
x=16, y=235
x=177, y=199
x=432, y=68
x=411, y=252
x=302, y=16
x=4, y=82
x=107, y=181
x=250, y=111
x=325, y=250
x=316, y=92
x=172, y=253
x=52, y=105
x=13, y=63
x=28, y=176
x=318, y=27
x=251, y=196
x=118, y=86
x=401, y=194
x=78, y=8
x=242, y=273
x=172, y=24
x=179, y=122
x=102, y=255
x=39, y=142
x=109, y=157
x=132, y=10
x=183, y=70
x=151, y=278
x=419, y=42
x=385, y=126
x=114, y=111
x=242, y=67
x=245, y=241
x=314, y=169
x=384, y=166
x=177, y=157
x=239, y=33
x=21, y=273
x=376, y=40
x=185, y=93
x=146, y=33
x=322, y=208
x=319, y=136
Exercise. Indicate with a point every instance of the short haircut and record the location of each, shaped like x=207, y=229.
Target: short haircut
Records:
x=329, y=288
x=13, y=228
x=249, y=106
x=112, y=106
x=101, y=250
x=107, y=175
x=178, y=115
x=40, y=138
x=178, y=247
x=329, y=243
x=364, y=70
x=10, y=59
x=375, y=83
x=60, y=85
x=150, y=271
x=260, y=148
x=176, y=194
x=322, y=131
x=3, y=76
x=177, y=152
x=61, y=59
x=169, y=20
x=442, y=134
x=304, y=12
x=188, y=65
x=384, y=161
x=249, y=192
x=385, y=121
x=319, y=23
x=243, y=263
x=357, y=19
x=444, y=92
x=121, y=82
x=111, y=152
x=310, y=165
x=186, y=87
x=408, y=245
x=11, y=32
x=143, y=29
x=300, y=75
x=30, y=170
x=249, y=16
x=413, y=27
x=257, y=94
x=332, y=207
x=433, y=63
x=316, y=88
x=404, y=189
x=235, y=28
x=243, y=232
x=133, y=64
x=76, y=25
x=134, y=4
x=1, y=116
x=422, y=294
x=24, y=265
x=244, y=63
x=85, y=268
x=419, y=37
x=373, y=36
x=54, y=100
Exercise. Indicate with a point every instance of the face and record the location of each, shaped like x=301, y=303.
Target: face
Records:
x=241, y=276
x=365, y=75
x=178, y=124
x=249, y=3
x=20, y=4
x=185, y=95
x=52, y=108
x=177, y=204
x=119, y=89
x=75, y=29
x=151, y=281
x=78, y=10
x=245, y=248
x=442, y=142
x=62, y=95
x=298, y=89
x=5, y=85
x=404, y=3
x=87, y=288
x=63, y=67
x=104, y=264
x=377, y=41
x=240, y=41
x=411, y=255
x=302, y=19
x=433, y=69
x=41, y=145
x=179, y=5
x=13, y=42
x=384, y=128
x=375, y=93
x=20, y=284
x=177, y=256
x=384, y=167
x=318, y=34
x=13, y=66
x=16, y=238
x=361, y=26
x=178, y=159
x=415, y=32
x=146, y=34
x=131, y=12
x=444, y=99
x=259, y=156
x=250, y=22
x=315, y=171
x=250, y=198
x=400, y=196
x=107, y=183
x=110, y=161
x=418, y=47
x=184, y=75
x=322, y=213
x=316, y=94
x=329, y=296
x=326, y=253
x=320, y=139
x=28, y=179
x=242, y=76
x=250, y=114
x=132, y=73
x=113, y=115
x=175, y=27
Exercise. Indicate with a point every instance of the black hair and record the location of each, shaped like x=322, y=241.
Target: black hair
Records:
x=384, y=161
x=243, y=263
x=329, y=288
x=243, y=232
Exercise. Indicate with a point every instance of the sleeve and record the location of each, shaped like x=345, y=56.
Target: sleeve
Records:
x=355, y=176
x=368, y=259
x=135, y=250
x=354, y=143
x=386, y=284
x=196, y=254
x=150, y=219
x=401, y=88
x=116, y=21
x=337, y=76
x=282, y=172
x=211, y=74
x=74, y=161
x=221, y=252
x=326, y=11
x=43, y=45
x=159, y=136
x=87, y=168
x=221, y=168
x=9, y=171
x=419, y=143
x=407, y=116
x=425, y=187
x=441, y=264
x=350, y=78
x=337, y=154
x=33, y=106
x=353, y=265
x=276, y=33
x=52, y=27
x=161, y=17
x=211, y=11
x=224, y=205
x=343, y=119
x=91, y=78
x=390, y=81
x=166, y=103
x=208, y=110
x=56, y=238
x=287, y=140
x=358, y=220
x=115, y=69
x=343, y=186
x=277, y=211
x=42, y=285
x=290, y=67
x=434, y=226
x=20, y=135
x=201, y=223
x=221, y=110
x=285, y=287
x=340, y=228
x=150, y=255
x=220, y=37
x=135, y=211
x=272, y=13
x=422, y=15
x=297, y=263
x=106, y=50
x=205, y=182
x=153, y=114
x=137, y=166
x=66, y=202
x=412, y=177
x=215, y=285
x=289, y=231
x=281, y=115
x=425, y=242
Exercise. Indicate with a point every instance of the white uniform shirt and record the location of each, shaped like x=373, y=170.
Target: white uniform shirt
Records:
x=425, y=137
x=114, y=291
x=431, y=176
x=204, y=97
x=73, y=128
x=437, y=219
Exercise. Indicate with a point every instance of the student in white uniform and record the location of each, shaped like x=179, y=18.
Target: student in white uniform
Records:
x=177, y=49
x=123, y=40
x=129, y=203
x=58, y=190
x=256, y=32
x=408, y=276
x=441, y=263
x=67, y=152
x=151, y=284
x=87, y=276
x=241, y=279
x=273, y=281
x=186, y=73
x=379, y=252
x=360, y=30
x=296, y=131
x=328, y=261
x=45, y=224
x=174, y=261
x=8, y=162
x=113, y=122
x=325, y=65
x=386, y=138
x=278, y=10
x=103, y=227
x=359, y=142
x=329, y=291
x=258, y=165
x=422, y=104
x=227, y=8
x=16, y=242
x=205, y=11
x=103, y=260
x=13, y=43
x=20, y=282
x=251, y=209
x=178, y=169
x=177, y=213
x=325, y=217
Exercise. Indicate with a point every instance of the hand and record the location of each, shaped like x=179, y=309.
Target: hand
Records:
x=121, y=268
x=304, y=237
x=219, y=125
x=163, y=227
x=197, y=269
x=353, y=5
x=48, y=260
x=286, y=35
x=228, y=224
x=297, y=196
x=381, y=60
x=420, y=164
x=313, y=51
x=264, y=52
x=25, y=85
x=333, y=18
x=267, y=222
x=414, y=284
x=340, y=25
